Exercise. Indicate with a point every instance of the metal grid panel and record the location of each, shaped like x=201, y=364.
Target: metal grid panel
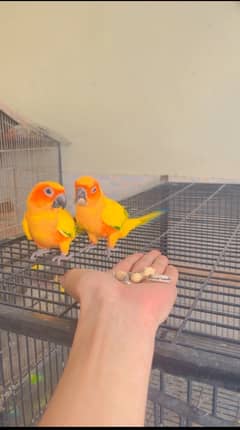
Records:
x=29, y=374
x=26, y=157
x=182, y=402
x=200, y=234
x=31, y=370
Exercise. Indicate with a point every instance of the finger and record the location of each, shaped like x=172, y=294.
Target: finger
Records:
x=72, y=280
x=128, y=262
x=145, y=261
x=163, y=296
x=173, y=274
x=164, y=290
x=160, y=264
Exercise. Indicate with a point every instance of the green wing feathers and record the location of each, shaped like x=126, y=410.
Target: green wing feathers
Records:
x=78, y=227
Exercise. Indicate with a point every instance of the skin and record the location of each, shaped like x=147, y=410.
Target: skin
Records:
x=106, y=379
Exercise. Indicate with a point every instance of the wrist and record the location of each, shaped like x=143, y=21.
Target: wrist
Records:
x=115, y=321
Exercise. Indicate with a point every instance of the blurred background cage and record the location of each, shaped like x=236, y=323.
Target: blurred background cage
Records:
x=28, y=154
x=195, y=379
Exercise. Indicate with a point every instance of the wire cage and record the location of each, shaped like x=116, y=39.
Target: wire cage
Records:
x=195, y=378
x=27, y=155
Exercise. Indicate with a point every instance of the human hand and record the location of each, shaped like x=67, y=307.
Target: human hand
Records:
x=105, y=381
x=147, y=303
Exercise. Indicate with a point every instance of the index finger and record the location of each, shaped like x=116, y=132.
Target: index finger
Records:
x=173, y=274
x=128, y=262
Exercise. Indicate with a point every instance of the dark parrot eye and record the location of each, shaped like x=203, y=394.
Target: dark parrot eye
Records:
x=93, y=190
x=48, y=191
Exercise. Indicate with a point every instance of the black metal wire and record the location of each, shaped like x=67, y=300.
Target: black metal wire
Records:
x=200, y=234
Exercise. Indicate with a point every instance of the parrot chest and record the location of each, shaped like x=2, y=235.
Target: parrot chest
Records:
x=90, y=218
x=43, y=229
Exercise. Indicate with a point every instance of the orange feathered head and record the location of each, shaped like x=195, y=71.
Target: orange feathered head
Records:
x=87, y=190
x=46, y=195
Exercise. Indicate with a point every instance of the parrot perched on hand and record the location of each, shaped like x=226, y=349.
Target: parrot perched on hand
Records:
x=47, y=222
x=102, y=217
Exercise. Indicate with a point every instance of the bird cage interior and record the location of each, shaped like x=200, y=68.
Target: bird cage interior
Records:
x=200, y=234
x=128, y=146
x=27, y=155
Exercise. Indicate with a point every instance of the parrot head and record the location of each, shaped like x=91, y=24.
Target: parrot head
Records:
x=87, y=191
x=47, y=195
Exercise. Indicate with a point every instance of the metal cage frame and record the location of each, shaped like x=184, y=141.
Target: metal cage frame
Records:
x=199, y=344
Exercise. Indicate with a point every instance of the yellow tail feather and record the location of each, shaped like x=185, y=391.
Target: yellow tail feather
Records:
x=132, y=223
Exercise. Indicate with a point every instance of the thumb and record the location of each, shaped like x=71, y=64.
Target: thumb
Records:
x=72, y=282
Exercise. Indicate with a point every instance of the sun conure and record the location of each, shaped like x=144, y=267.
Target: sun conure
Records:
x=47, y=222
x=102, y=217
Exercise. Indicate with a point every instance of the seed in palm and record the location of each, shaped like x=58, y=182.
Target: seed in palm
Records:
x=136, y=277
x=149, y=271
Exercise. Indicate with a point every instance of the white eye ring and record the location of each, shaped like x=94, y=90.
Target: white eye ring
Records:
x=48, y=191
x=93, y=190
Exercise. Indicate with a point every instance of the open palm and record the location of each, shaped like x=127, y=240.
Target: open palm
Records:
x=149, y=301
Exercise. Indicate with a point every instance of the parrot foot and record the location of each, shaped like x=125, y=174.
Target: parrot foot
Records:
x=109, y=252
x=62, y=257
x=39, y=253
x=88, y=247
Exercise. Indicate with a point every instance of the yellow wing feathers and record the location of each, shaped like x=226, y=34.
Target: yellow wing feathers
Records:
x=113, y=213
x=26, y=228
x=66, y=225
x=116, y=216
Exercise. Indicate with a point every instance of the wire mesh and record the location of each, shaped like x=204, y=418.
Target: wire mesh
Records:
x=183, y=402
x=199, y=233
x=30, y=371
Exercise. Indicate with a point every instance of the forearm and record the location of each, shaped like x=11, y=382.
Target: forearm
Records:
x=106, y=378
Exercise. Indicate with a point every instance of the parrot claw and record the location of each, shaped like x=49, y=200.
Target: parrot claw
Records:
x=62, y=257
x=88, y=247
x=109, y=252
x=39, y=253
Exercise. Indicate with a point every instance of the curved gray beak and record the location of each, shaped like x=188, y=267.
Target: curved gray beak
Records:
x=60, y=201
x=81, y=197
